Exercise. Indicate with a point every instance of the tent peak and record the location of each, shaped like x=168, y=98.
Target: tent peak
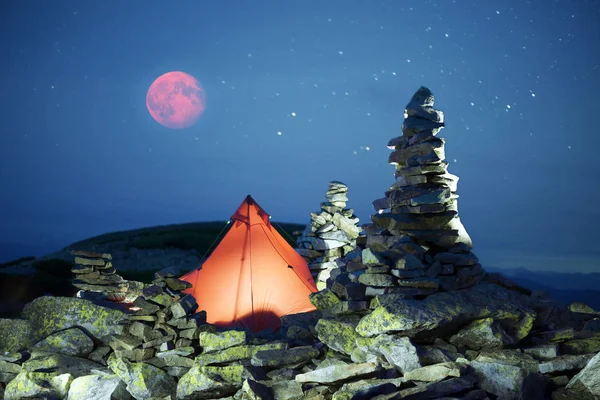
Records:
x=249, y=212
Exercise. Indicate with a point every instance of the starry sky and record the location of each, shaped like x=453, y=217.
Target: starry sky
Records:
x=299, y=94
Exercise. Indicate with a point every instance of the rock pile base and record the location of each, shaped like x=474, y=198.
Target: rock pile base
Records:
x=493, y=340
x=331, y=234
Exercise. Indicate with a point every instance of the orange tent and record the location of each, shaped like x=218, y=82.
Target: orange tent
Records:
x=253, y=277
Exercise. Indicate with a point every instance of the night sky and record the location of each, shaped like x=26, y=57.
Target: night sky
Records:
x=299, y=94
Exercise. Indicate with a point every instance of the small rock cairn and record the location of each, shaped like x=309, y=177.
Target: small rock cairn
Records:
x=330, y=235
x=97, y=278
x=95, y=273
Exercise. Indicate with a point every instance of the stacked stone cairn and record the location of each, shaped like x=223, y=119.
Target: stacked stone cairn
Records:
x=97, y=278
x=416, y=244
x=331, y=234
x=490, y=340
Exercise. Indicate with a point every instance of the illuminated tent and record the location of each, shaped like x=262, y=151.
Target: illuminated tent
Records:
x=253, y=277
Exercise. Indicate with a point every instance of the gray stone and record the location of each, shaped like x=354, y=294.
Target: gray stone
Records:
x=367, y=388
x=346, y=225
x=60, y=364
x=49, y=315
x=419, y=282
x=408, y=262
x=440, y=168
x=180, y=351
x=337, y=197
x=278, y=358
x=423, y=98
x=98, y=387
x=509, y=375
x=72, y=342
x=460, y=260
x=482, y=334
x=203, y=382
x=125, y=342
x=565, y=363
x=15, y=334
x=337, y=335
x=587, y=381
x=143, y=380
x=371, y=258
x=99, y=353
x=581, y=308
x=253, y=390
x=437, y=390
x=406, y=222
x=381, y=204
x=381, y=280
x=323, y=244
x=176, y=372
x=338, y=236
x=592, y=325
x=221, y=340
x=8, y=367
x=543, y=351
x=326, y=228
x=408, y=273
x=324, y=299
x=145, y=307
x=582, y=346
x=338, y=373
x=439, y=311
x=401, y=155
x=437, y=372
x=38, y=385
x=186, y=305
x=11, y=356
x=448, y=206
x=398, y=351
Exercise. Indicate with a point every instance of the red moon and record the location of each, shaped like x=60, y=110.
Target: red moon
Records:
x=176, y=100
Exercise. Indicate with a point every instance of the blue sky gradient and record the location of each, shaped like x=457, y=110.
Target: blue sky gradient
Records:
x=518, y=82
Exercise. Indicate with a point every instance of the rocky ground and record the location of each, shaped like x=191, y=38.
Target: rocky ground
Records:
x=492, y=340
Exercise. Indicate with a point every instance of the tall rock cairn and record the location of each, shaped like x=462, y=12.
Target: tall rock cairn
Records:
x=330, y=235
x=416, y=245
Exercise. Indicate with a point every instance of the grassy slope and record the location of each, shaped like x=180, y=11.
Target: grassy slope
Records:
x=199, y=236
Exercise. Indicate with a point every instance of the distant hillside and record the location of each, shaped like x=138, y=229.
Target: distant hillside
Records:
x=564, y=287
x=198, y=238
x=136, y=253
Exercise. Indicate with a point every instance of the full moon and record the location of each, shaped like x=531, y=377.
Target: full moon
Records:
x=176, y=100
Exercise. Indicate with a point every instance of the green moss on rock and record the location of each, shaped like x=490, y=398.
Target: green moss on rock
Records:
x=60, y=364
x=210, y=341
x=72, y=342
x=441, y=310
x=324, y=300
x=202, y=382
x=337, y=335
x=143, y=380
x=49, y=315
x=39, y=385
x=582, y=346
x=15, y=334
